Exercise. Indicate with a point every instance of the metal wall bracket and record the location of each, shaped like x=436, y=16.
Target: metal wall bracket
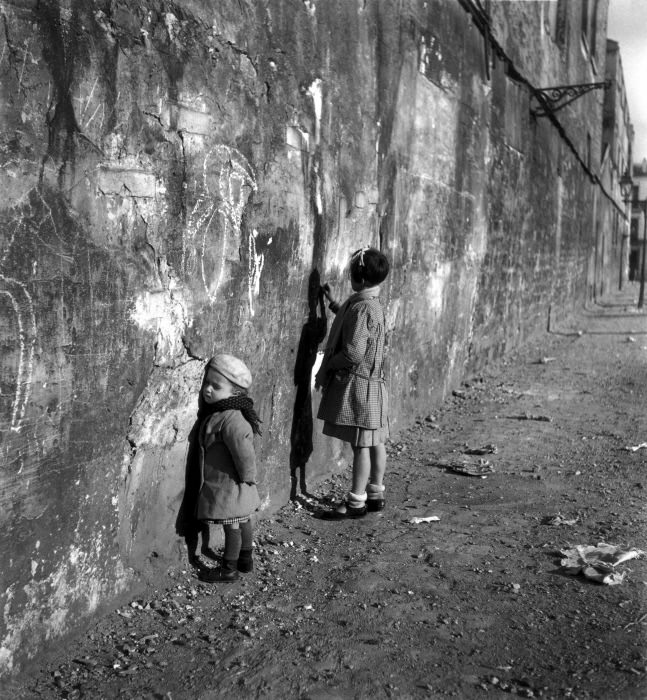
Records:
x=555, y=98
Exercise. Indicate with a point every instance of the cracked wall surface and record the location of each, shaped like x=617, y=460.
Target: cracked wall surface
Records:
x=179, y=177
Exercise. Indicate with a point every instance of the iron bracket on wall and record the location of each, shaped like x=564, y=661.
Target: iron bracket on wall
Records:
x=555, y=98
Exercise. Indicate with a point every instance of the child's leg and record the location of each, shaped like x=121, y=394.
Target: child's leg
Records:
x=245, y=561
x=375, y=488
x=355, y=504
x=378, y=464
x=228, y=570
x=232, y=546
x=361, y=469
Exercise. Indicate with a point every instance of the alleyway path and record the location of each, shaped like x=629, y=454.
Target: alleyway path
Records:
x=472, y=605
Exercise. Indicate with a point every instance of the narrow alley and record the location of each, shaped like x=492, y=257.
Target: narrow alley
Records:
x=474, y=603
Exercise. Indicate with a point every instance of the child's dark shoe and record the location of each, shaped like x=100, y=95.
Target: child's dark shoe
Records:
x=343, y=511
x=375, y=497
x=245, y=561
x=227, y=573
x=374, y=504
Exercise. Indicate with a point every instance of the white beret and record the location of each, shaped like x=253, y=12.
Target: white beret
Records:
x=233, y=369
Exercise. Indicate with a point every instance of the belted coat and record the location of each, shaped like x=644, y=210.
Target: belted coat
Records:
x=351, y=374
x=227, y=468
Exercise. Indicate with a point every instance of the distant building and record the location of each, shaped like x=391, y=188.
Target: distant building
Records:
x=636, y=241
x=612, y=233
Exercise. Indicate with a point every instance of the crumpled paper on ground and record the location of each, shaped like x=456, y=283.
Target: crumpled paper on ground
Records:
x=426, y=519
x=598, y=562
x=635, y=448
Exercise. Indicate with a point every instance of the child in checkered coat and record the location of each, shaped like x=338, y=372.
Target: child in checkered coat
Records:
x=354, y=402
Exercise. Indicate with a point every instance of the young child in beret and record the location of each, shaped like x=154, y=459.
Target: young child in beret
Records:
x=228, y=493
x=354, y=402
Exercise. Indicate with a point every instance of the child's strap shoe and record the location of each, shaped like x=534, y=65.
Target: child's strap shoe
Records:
x=245, y=561
x=375, y=497
x=353, y=507
x=227, y=573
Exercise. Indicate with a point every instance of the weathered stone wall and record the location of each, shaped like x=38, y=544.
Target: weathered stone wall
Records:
x=178, y=178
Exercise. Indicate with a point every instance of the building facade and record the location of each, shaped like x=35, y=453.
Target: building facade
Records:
x=178, y=179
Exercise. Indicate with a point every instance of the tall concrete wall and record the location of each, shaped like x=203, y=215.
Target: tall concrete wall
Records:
x=178, y=178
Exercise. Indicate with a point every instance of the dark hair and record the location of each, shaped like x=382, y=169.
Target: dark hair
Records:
x=369, y=265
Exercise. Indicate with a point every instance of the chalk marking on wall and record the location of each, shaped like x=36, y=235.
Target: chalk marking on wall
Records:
x=94, y=114
x=50, y=216
x=256, y=263
x=87, y=103
x=234, y=177
x=24, y=61
x=22, y=305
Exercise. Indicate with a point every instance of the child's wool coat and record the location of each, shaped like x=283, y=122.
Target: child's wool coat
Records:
x=227, y=468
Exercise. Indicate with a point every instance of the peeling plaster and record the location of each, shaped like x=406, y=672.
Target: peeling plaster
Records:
x=436, y=284
x=315, y=92
x=166, y=314
x=77, y=580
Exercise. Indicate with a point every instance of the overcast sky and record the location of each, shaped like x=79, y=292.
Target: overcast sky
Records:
x=628, y=26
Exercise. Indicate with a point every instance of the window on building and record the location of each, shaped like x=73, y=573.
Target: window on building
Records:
x=549, y=16
x=561, y=22
x=589, y=25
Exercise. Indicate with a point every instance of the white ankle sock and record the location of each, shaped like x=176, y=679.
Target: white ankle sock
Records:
x=356, y=499
x=375, y=490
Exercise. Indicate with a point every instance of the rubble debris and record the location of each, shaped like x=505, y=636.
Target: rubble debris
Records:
x=426, y=519
x=598, y=562
x=85, y=661
x=531, y=416
x=478, y=469
x=488, y=449
x=559, y=520
x=514, y=686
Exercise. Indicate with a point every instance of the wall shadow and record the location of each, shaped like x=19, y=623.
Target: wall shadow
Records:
x=312, y=334
x=193, y=531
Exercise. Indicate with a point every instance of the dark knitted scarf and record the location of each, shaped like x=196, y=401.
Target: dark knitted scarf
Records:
x=239, y=403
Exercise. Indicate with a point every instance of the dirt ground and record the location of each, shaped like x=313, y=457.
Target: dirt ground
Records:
x=474, y=604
